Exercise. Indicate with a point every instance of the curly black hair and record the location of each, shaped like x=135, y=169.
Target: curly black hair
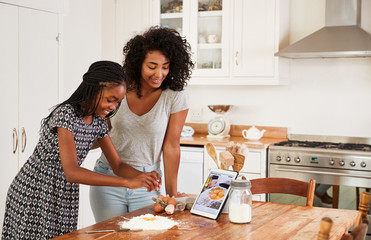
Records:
x=171, y=44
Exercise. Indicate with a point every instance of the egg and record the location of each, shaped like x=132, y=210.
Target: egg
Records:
x=158, y=208
x=171, y=201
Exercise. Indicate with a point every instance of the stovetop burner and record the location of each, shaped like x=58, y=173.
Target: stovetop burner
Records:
x=326, y=145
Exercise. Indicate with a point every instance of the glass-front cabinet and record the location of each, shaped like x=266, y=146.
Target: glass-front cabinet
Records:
x=233, y=41
x=203, y=23
x=211, y=39
x=171, y=15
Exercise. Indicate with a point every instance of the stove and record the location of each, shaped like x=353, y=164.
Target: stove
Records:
x=330, y=160
x=322, y=154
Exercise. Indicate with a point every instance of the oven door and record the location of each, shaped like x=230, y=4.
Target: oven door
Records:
x=349, y=181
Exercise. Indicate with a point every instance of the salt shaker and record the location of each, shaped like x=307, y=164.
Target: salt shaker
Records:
x=240, y=201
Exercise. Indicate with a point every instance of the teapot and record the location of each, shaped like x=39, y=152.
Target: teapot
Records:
x=253, y=133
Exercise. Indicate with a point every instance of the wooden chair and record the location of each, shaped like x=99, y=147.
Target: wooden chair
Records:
x=358, y=233
x=285, y=185
x=324, y=229
x=358, y=194
x=363, y=208
x=360, y=227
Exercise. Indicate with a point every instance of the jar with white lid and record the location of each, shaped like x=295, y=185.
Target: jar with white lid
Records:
x=240, y=201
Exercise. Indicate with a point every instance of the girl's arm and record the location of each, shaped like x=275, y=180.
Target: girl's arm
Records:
x=74, y=173
x=96, y=144
x=171, y=151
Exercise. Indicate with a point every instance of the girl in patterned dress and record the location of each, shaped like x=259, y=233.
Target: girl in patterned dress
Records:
x=43, y=199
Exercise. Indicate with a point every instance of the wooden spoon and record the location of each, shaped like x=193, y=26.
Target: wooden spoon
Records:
x=212, y=152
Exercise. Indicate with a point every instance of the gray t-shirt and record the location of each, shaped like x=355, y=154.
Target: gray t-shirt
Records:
x=139, y=139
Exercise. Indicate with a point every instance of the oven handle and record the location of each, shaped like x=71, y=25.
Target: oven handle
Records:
x=322, y=173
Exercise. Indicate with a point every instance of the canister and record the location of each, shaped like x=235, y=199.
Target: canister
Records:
x=240, y=201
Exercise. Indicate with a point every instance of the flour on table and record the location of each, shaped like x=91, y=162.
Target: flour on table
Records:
x=149, y=222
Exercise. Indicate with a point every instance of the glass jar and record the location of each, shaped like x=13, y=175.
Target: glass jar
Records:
x=240, y=201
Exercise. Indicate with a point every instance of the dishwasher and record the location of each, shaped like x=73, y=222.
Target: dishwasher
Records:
x=190, y=173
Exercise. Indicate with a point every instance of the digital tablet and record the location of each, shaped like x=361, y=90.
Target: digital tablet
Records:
x=214, y=193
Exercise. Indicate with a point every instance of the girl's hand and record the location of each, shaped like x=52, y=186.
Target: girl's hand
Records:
x=150, y=180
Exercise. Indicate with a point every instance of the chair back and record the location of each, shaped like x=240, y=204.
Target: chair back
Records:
x=285, y=185
x=363, y=207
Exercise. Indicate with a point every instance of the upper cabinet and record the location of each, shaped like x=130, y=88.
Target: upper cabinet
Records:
x=253, y=38
x=233, y=42
x=205, y=24
x=209, y=37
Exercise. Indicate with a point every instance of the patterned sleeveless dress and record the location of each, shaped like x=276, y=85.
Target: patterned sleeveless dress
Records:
x=40, y=203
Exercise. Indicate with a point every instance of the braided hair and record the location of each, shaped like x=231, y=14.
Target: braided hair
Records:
x=168, y=42
x=87, y=96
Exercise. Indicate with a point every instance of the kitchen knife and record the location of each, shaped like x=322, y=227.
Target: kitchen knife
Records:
x=113, y=230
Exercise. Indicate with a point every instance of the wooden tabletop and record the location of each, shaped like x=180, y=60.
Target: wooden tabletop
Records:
x=273, y=221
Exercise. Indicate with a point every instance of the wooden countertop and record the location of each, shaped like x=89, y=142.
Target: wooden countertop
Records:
x=201, y=139
x=270, y=221
x=271, y=136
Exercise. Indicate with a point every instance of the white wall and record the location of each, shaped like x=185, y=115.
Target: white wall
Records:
x=324, y=97
x=81, y=42
x=122, y=19
x=82, y=45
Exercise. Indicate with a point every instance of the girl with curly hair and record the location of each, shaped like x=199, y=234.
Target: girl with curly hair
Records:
x=150, y=120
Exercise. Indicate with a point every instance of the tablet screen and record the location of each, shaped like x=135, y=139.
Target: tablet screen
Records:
x=214, y=193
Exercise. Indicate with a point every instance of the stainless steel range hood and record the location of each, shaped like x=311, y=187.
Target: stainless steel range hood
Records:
x=341, y=37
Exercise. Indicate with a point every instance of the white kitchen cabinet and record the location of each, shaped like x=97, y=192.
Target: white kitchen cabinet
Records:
x=8, y=100
x=252, y=29
x=255, y=165
x=253, y=38
x=190, y=175
x=29, y=75
x=258, y=27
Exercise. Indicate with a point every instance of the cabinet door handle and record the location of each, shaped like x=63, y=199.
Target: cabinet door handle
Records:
x=15, y=140
x=236, y=59
x=24, y=139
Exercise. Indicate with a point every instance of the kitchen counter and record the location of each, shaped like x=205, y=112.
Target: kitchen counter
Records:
x=271, y=136
x=201, y=139
x=270, y=221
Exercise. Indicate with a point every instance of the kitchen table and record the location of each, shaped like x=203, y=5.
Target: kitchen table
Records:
x=269, y=221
